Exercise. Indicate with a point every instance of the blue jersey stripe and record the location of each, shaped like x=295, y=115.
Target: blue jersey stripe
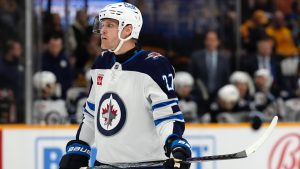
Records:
x=163, y=104
x=173, y=117
x=91, y=106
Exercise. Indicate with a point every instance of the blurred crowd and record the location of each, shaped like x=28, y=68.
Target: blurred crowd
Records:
x=217, y=78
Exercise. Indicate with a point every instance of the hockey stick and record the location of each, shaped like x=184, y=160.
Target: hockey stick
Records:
x=242, y=154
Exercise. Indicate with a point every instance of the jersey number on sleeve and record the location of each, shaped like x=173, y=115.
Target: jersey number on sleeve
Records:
x=169, y=81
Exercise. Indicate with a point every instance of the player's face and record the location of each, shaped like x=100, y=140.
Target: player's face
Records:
x=109, y=34
x=242, y=87
x=17, y=50
x=55, y=46
x=211, y=41
x=261, y=82
x=227, y=105
x=184, y=91
x=265, y=48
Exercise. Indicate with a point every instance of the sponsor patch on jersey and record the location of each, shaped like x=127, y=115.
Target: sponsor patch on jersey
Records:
x=154, y=55
x=99, y=79
x=111, y=114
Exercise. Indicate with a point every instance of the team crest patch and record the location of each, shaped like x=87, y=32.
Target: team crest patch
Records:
x=154, y=55
x=111, y=114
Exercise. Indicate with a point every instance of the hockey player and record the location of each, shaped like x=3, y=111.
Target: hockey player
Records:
x=131, y=113
x=48, y=108
x=187, y=103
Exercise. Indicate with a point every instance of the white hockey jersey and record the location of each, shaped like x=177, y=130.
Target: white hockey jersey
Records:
x=131, y=108
x=50, y=112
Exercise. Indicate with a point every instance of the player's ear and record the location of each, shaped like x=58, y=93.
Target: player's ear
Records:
x=127, y=31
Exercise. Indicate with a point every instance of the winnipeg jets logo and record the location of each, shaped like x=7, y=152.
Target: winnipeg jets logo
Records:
x=111, y=114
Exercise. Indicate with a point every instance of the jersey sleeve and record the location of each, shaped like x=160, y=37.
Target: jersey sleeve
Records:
x=86, y=128
x=167, y=116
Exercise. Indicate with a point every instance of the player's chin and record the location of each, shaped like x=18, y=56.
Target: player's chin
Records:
x=104, y=46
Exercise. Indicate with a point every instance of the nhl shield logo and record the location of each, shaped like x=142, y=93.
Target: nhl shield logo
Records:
x=111, y=114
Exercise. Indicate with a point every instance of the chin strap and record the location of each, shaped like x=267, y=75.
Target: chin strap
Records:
x=118, y=47
x=122, y=41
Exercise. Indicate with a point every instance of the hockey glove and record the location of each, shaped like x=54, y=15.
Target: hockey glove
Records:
x=178, y=149
x=78, y=155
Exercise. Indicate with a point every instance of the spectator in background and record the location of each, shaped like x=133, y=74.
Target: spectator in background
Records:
x=290, y=74
x=12, y=74
x=11, y=21
x=266, y=103
x=78, y=39
x=250, y=6
x=184, y=83
x=244, y=84
x=47, y=108
x=253, y=29
x=225, y=108
x=52, y=25
x=294, y=20
x=264, y=59
x=55, y=60
x=263, y=96
x=8, y=12
x=210, y=66
x=45, y=85
x=285, y=6
x=204, y=21
x=282, y=35
x=227, y=31
x=285, y=31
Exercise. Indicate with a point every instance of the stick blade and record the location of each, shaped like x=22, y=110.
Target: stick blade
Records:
x=243, y=154
x=254, y=147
